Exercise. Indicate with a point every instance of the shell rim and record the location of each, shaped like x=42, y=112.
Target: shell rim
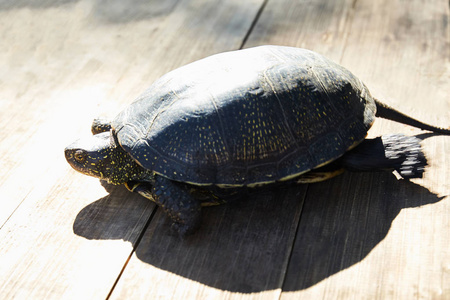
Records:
x=261, y=183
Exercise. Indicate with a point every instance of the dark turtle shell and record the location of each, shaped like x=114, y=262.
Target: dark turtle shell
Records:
x=247, y=117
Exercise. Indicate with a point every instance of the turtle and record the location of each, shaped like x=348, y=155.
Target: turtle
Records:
x=243, y=119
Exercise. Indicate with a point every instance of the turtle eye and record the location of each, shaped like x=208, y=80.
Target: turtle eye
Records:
x=80, y=156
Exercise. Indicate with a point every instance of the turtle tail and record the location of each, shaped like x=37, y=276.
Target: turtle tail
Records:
x=388, y=152
x=387, y=112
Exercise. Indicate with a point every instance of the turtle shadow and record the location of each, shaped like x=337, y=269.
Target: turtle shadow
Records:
x=340, y=227
x=314, y=231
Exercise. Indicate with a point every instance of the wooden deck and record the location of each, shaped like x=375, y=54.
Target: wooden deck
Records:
x=358, y=236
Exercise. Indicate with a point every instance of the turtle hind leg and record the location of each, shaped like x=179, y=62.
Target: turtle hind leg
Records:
x=388, y=152
x=100, y=125
x=176, y=201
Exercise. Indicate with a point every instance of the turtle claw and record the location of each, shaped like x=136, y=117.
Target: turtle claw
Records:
x=175, y=200
x=100, y=125
x=183, y=230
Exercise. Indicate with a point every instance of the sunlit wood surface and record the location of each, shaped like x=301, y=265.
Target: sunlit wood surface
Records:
x=357, y=236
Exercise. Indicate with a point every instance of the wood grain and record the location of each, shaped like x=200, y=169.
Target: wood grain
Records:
x=364, y=236
x=66, y=63
x=358, y=236
x=240, y=252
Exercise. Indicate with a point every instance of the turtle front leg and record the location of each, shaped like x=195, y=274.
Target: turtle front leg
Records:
x=176, y=201
x=100, y=125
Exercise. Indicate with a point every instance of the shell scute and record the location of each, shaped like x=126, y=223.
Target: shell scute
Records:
x=246, y=117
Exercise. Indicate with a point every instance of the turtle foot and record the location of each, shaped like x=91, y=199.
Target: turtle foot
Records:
x=388, y=152
x=100, y=125
x=175, y=200
x=184, y=230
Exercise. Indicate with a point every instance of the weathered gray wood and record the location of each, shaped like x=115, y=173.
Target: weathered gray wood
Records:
x=317, y=25
x=46, y=253
x=222, y=261
x=241, y=251
x=64, y=63
x=371, y=236
x=359, y=236
x=91, y=59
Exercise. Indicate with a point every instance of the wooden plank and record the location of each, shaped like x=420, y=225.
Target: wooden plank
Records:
x=234, y=257
x=371, y=236
x=357, y=243
x=63, y=235
x=412, y=44
x=91, y=66
x=317, y=25
x=240, y=252
x=45, y=253
x=63, y=241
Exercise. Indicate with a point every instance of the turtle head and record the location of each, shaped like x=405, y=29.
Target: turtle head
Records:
x=102, y=157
